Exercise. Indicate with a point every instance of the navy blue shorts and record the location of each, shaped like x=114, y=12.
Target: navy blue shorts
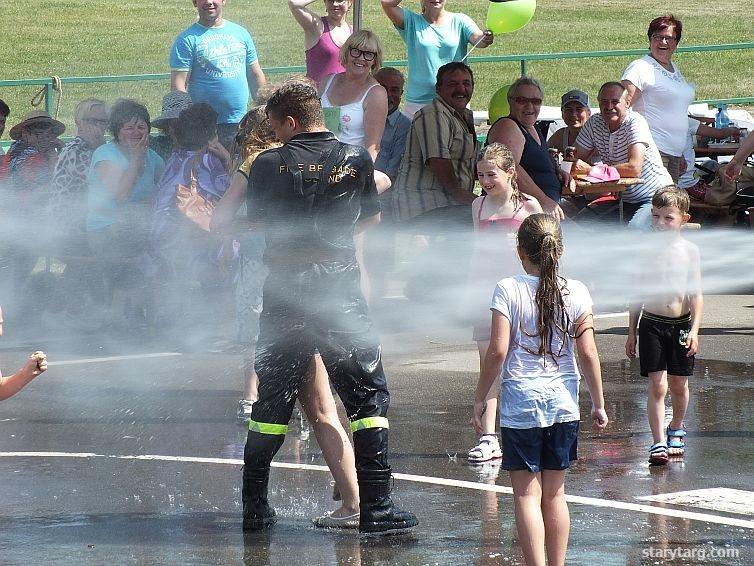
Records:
x=537, y=449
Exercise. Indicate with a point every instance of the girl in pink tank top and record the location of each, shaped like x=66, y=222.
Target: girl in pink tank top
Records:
x=497, y=216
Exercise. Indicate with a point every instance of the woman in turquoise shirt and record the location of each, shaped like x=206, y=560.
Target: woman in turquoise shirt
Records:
x=122, y=182
x=433, y=38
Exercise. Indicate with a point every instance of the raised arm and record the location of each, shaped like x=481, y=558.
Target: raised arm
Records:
x=310, y=22
x=393, y=11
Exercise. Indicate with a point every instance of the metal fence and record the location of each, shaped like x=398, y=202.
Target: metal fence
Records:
x=49, y=86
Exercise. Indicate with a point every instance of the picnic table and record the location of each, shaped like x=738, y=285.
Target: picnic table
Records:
x=715, y=150
x=584, y=187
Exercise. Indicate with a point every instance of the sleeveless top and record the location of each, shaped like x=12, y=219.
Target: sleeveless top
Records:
x=506, y=225
x=536, y=161
x=351, y=119
x=324, y=57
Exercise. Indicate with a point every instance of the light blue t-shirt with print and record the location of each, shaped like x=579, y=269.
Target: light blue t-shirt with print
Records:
x=103, y=209
x=429, y=47
x=216, y=59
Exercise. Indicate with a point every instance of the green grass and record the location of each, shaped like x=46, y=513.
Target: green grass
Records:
x=106, y=37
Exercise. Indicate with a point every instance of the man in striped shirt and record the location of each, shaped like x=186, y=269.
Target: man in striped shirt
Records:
x=621, y=138
x=437, y=172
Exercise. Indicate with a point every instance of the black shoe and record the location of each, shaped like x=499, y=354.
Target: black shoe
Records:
x=378, y=513
x=257, y=513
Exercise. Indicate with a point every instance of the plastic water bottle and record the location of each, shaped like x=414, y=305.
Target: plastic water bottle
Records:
x=722, y=120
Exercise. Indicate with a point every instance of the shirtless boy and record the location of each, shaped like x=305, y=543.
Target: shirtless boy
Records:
x=668, y=332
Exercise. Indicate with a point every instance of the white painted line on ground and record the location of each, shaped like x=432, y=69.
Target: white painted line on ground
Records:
x=722, y=499
x=592, y=501
x=610, y=315
x=113, y=359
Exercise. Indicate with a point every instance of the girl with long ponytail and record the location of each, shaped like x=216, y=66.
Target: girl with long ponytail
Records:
x=540, y=322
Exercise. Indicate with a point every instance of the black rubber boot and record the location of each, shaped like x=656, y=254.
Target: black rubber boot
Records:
x=257, y=513
x=378, y=514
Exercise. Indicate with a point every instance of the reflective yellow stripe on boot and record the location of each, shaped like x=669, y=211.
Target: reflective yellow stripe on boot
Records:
x=369, y=422
x=268, y=428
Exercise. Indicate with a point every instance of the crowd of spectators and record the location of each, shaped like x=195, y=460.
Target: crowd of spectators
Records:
x=113, y=209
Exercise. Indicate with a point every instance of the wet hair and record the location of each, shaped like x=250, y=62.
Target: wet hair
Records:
x=4, y=108
x=365, y=40
x=672, y=196
x=299, y=100
x=196, y=126
x=611, y=84
x=523, y=81
x=85, y=107
x=451, y=67
x=540, y=238
x=125, y=110
x=664, y=22
x=254, y=135
x=502, y=157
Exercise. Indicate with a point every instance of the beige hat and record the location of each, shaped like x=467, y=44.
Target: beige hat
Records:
x=36, y=117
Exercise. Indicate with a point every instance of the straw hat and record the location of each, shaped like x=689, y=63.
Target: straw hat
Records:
x=172, y=104
x=33, y=118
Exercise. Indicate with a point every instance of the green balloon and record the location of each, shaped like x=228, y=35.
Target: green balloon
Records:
x=499, y=106
x=509, y=15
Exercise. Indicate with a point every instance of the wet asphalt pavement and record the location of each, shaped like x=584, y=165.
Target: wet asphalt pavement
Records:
x=73, y=491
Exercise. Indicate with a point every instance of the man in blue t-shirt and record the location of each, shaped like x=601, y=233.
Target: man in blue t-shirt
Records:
x=215, y=61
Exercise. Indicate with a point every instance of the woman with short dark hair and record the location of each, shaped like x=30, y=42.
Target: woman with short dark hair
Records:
x=656, y=89
x=122, y=179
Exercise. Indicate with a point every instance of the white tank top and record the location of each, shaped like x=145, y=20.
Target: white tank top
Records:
x=351, y=121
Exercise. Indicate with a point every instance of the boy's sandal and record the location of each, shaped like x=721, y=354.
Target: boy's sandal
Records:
x=676, y=440
x=487, y=449
x=658, y=454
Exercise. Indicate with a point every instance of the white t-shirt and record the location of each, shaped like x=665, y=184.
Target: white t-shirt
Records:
x=664, y=102
x=688, y=179
x=536, y=391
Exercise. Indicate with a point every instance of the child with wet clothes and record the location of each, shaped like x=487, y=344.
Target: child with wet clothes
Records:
x=668, y=332
x=36, y=364
x=540, y=321
x=497, y=216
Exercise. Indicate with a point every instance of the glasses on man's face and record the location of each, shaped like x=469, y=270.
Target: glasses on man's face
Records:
x=97, y=121
x=659, y=38
x=356, y=53
x=526, y=100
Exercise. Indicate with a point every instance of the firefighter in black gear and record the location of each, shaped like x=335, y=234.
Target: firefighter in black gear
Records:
x=310, y=195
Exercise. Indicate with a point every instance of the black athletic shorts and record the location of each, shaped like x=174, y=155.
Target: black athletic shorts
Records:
x=662, y=344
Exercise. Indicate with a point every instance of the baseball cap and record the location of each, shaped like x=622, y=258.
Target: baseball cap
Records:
x=575, y=96
x=602, y=174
